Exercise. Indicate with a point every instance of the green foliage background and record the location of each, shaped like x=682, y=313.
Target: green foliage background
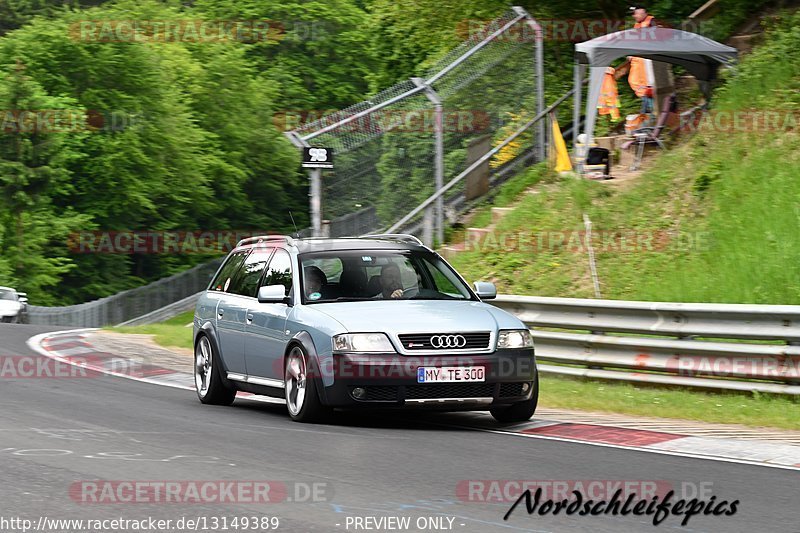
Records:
x=194, y=144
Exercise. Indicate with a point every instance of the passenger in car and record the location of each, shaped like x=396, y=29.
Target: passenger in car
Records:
x=313, y=281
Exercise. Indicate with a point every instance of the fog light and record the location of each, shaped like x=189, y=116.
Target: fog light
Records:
x=359, y=393
x=526, y=387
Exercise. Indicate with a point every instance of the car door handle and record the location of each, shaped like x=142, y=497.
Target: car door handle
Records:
x=249, y=319
x=220, y=312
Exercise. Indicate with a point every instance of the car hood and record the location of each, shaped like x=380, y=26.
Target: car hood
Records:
x=9, y=307
x=418, y=316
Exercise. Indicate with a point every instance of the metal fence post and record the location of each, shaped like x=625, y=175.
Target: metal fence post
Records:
x=541, y=141
x=427, y=227
x=438, y=132
x=315, y=202
x=315, y=189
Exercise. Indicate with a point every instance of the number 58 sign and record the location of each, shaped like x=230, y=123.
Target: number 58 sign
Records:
x=317, y=157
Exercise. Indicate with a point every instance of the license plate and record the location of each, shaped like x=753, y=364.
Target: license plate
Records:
x=450, y=374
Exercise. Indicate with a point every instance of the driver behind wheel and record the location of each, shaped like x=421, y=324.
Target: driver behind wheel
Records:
x=391, y=282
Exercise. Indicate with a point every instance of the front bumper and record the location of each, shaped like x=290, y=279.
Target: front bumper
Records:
x=390, y=381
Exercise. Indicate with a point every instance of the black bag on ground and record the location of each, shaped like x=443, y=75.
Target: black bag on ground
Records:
x=599, y=156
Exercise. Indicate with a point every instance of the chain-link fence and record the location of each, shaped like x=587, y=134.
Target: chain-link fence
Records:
x=394, y=150
x=127, y=305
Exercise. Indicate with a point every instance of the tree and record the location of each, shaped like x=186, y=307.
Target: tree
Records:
x=34, y=155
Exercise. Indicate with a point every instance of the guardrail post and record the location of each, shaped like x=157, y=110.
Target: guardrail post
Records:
x=795, y=381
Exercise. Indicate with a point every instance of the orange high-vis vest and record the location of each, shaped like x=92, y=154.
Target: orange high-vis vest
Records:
x=608, y=104
x=637, y=75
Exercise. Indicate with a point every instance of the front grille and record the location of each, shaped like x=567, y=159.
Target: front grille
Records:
x=446, y=341
x=511, y=389
x=450, y=390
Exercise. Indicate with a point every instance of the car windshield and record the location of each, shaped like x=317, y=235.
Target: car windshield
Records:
x=7, y=295
x=357, y=275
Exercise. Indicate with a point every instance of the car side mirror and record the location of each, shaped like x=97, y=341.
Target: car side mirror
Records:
x=272, y=294
x=485, y=290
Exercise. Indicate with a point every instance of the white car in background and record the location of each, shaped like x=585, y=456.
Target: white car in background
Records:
x=12, y=305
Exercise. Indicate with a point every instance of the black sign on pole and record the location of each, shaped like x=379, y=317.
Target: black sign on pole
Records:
x=317, y=157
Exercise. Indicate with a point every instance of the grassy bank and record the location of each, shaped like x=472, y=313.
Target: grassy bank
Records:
x=171, y=333
x=749, y=410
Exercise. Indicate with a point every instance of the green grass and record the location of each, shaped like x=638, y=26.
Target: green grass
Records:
x=171, y=333
x=589, y=395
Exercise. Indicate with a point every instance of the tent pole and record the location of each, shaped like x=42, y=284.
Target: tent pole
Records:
x=576, y=111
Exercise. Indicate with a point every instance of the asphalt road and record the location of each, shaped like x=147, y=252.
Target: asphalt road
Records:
x=59, y=432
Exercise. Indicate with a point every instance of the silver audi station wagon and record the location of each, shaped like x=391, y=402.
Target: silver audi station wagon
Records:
x=379, y=321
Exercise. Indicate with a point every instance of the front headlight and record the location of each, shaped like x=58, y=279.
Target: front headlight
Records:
x=515, y=338
x=362, y=342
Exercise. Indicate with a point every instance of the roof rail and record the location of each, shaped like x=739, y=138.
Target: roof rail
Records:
x=261, y=238
x=402, y=237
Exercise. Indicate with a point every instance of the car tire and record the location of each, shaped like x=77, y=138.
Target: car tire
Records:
x=211, y=385
x=302, y=399
x=520, y=411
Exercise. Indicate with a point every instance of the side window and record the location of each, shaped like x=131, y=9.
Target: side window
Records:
x=443, y=284
x=228, y=272
x=445, y=281
x=246, y=283
x=279, y=271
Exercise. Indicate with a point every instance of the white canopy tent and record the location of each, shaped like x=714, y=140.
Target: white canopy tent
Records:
x=699, y=55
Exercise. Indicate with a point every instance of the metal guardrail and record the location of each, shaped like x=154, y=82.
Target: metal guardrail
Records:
x=442, y=191
x=127, y=305
x=660, y=342
x=166, y=312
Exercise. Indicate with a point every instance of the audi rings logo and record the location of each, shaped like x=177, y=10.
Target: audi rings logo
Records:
x=448, y=341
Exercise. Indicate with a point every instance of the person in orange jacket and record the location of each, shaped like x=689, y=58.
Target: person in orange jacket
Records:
x=608, y=104
x=638, y=77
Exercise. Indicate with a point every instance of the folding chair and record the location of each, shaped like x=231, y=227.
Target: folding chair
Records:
x=652, y=134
